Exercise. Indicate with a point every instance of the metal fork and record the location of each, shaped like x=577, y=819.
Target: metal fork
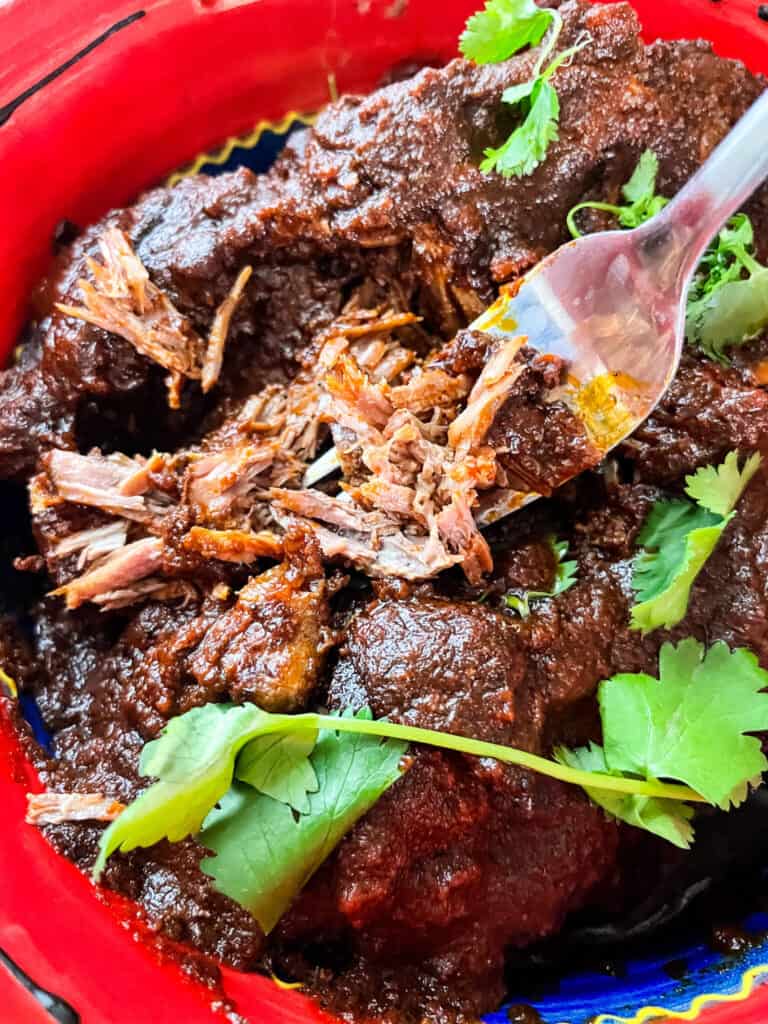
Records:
x=612, y=304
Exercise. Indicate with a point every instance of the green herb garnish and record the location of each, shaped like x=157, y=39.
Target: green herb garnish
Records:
x=679, y=536
x=668, y=727
x=728, y=300
x=323, y=772
x=639, y=192
x=669, y=819
x=538, y=104
x=494, y=34
x=264, y=793
x=267, y=847
x=265, y=854
x=502, y=28
x=565, y=577
x=279, y=766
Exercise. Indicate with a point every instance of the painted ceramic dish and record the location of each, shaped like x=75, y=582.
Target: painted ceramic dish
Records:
x=92, y=109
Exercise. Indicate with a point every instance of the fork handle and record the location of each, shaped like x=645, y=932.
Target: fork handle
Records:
x=730, y=175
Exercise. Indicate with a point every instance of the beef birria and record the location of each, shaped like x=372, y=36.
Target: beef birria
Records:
x=184, y=560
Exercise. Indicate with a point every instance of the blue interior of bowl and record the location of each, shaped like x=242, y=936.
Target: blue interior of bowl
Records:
x=652, y=979
x=672, y=972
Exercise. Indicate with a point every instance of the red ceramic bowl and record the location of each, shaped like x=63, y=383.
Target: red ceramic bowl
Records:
x=97, y=101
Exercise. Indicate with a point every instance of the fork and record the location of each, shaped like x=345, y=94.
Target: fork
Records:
x=612, y=304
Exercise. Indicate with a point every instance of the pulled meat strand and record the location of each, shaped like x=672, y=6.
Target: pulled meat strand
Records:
x=222, y=486
x=394, y=554
x=58, y=808
x=112, y=483
x=121, y=568
x=123, y=300
x=334, y=511
x=417, y=480
x=429, y=389
x=94, y=543
x=217, y=338
x=356, y=401
x=415, y=469
x=219, y=484
x=238, y=546
x=491, y=390
x=154, y=588
x=296, y=415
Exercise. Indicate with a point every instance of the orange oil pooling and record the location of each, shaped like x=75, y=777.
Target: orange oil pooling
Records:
x=606, y=408
x=498, y=315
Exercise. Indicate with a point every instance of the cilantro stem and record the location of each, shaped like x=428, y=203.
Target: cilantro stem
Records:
x=556, y=26
x=571, y=218
x=749, y=262
x=480, y=748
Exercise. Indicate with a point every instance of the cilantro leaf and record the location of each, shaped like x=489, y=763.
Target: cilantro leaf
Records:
x=668, y=819
x=642, y=185
x=277, y=760
x=679, y=536
x=278, y=765
x=718, y=488
x=502, y=28
x=728, y=300
x=264, y=850
x=355, y=759
x=195, y=742
x=668, y=727
x=566, y=572
x=527, y=146
x=264, y=856
x=194, y=760
x=728, y=316
x=565, y=577
x=729, y=253
x=539, y=108
x=639, y=192
x=737, y=232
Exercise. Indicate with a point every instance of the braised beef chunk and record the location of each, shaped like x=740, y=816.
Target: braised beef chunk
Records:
x=122, y=697
x=268, y=648
x=70, y=646
x=175, y=894
x=37, y=412
x=707, y=411
x=439, y=665
x=539, y=440
x=192, y=555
